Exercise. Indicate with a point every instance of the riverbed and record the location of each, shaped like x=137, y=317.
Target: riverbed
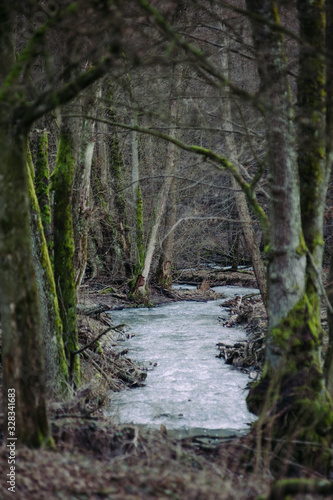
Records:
x=187, y=389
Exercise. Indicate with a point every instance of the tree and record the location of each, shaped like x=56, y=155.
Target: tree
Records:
x=240, y=198
x=55, y=359
x=64, y=271
x=22, y=339
x=291, y=389
x=22, y=349
x=162, y=199
x=290, y=398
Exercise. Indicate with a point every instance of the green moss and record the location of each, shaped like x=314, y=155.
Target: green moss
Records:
x=312, y=119
x=64, y=271
x=301, y=249
x=293, y=391
x=49, y=286
x=42, y=182
x=99, y=349
x=30, y=163
x=287, y=334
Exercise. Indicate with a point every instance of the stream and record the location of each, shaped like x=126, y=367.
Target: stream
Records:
x=190, y=391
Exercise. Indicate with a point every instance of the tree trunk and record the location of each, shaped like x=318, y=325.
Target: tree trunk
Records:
x=290, y=393
x=163, y=272
x=55, y=359
x=42, y=182
x=138, y=235
x=171, y=155
x=329, y=352
x=240, y=198
x=22, y=338
x=117, y=168
x=81, y=209
x=329, y=160
x=64, y=272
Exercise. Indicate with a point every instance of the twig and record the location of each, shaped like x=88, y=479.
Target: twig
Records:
x=109, y=380
x=86, y=417
x=73, y=353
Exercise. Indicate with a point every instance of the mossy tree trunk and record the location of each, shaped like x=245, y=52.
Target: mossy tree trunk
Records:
x=42, y=183
x=64, y=272
x=329, y=352
x=22, y=336
x=55, y=359
x=138, y=233
x=291, y=394
x=22, y=339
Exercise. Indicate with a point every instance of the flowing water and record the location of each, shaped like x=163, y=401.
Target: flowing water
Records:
x=190, y=391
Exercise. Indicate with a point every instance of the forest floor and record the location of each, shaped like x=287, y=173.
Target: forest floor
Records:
x=93, y=458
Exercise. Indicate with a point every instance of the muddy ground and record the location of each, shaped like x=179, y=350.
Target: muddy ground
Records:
x=92, y=458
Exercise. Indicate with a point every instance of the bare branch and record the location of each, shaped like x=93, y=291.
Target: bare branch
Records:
x=219, y=162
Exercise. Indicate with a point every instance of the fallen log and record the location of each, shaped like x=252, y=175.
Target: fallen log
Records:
x=92, y=311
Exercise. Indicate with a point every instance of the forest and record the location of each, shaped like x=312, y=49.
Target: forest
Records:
x=145, y=143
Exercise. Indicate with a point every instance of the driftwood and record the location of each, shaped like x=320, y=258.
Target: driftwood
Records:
x=92, y=311
x=248, y=354
x=73, y=353
x=123, y=369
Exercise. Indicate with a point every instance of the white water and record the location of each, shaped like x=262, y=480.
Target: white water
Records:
x=190, y=390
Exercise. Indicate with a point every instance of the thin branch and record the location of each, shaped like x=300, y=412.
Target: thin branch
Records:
x=198, y=55
x=224, y=219
x=85, y=417
x=34, y=46
x=73, y=353
x=51, y=99
x=219, y=162
x=187, y=179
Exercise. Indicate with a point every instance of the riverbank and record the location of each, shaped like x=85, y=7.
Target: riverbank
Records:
x=249, y=355
x=116, y=296
x=94, y=458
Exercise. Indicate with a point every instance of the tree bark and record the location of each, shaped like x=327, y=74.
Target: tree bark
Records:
x=329, y=160
x=240, y=198
x=170, y=166
x=64, y=272
x=42, y=182
x=163, y=273
x=291, y=390
x=81, y=188
x=117, y=168
x=22, y=341
x=55, y=359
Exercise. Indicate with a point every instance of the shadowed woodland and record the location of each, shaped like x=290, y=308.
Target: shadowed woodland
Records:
x=143, y=143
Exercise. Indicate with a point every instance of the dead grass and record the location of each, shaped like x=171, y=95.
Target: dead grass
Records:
x=103, y=461
x=95, y=459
